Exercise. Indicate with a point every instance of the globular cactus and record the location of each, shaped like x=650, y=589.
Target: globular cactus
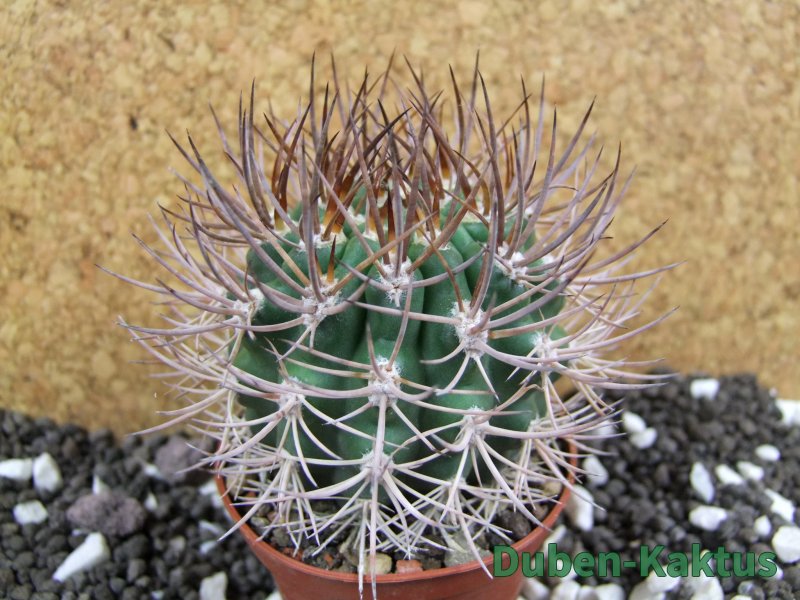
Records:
x=378, y=312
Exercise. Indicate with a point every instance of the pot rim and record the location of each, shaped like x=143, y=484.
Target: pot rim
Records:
x=253, y=539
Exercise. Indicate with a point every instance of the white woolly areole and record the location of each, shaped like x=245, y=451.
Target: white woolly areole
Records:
x=470, y=341
x=398, y=284
x=543, y=345
x=386, y=381
x=515, y=268
x=320, y=309
x=290, y=403
x=246, y=309
x=474, y=427
x=376, y=465
x=256, y=295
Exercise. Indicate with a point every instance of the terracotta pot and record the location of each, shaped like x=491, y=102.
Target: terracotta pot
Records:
x=299, y=581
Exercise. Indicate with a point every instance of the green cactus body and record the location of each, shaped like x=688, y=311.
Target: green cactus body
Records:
x=378, y=312
x=349, y=334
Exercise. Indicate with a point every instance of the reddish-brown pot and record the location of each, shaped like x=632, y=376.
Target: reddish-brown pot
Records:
x=299, y=581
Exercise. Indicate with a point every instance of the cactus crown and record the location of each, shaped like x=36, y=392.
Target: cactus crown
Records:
x=378, y=312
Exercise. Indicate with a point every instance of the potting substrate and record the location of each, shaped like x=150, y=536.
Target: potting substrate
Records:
x=698, y=461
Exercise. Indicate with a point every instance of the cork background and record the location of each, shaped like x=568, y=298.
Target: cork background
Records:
x=704, y=97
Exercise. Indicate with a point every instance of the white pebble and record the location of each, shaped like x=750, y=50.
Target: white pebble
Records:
x=750, y=470
x=579, y=508
x=657, y=584
x=276, y=595
x=632, y=423
x=30, y=512
x=644, y=439
x=609, y=591
x=589, y=593
x=709, y=588
x=213, y=587
x=701, y=482
x=586, y=593
x=728, y=476
x=704, y=388
x=762, y=526
x=555, y=536
x=707, y=517
x=740, y=597
x=152, y=471
x=46, y=474
x=595, y=471
x=18, y=469
x=694, y=584
x=177, y=544
x=768, y=452
x=641, y=592
x=786, y=543
x=207, y=546
x=151, y=502
x=780, y=505
x=209, y=488
x=566, y=590
x=99, y=486
x=533, y=589
x=790, y=411
x=92, y=552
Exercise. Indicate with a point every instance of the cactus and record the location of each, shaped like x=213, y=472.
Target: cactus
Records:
x=378, y=313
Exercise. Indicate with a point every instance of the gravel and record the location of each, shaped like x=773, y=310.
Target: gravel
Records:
x=130, y=529
x=689, y=452
x=722, y=472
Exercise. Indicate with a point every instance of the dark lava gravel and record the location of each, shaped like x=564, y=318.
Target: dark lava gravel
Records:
x=648, y=497
x=164, y=556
